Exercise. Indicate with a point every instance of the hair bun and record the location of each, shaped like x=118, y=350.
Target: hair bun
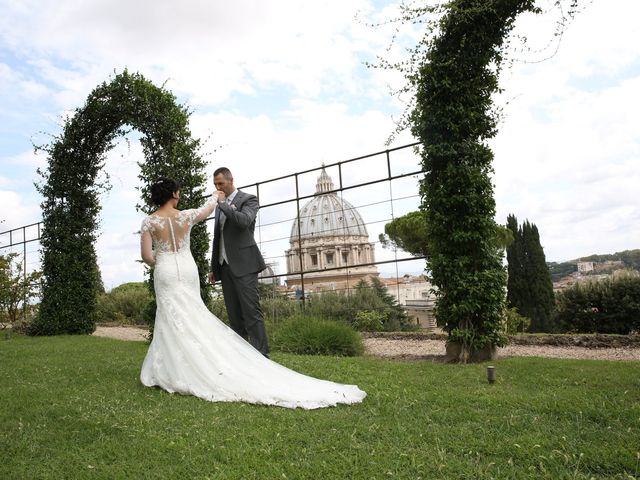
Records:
x=162, y=190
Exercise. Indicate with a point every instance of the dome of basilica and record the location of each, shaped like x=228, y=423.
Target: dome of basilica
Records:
x=327, y=215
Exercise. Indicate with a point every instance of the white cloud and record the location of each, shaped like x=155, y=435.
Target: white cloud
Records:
x=29, y=159
x=569, y=146
x=118, y=255
x=15, y=213
x=566, y=155
x=17, y=84
x=206, y=50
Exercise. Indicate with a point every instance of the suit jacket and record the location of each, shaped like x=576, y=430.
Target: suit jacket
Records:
x=242, y=252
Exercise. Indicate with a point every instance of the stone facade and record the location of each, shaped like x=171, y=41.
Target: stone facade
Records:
x=329, y=242
x=414, y=294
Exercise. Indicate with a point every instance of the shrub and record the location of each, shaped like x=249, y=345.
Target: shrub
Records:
x=345, y=306
x=277, y=307
x=368, y=321
x=23, y=322
x=514, y=322
x=606, y=306
x=124, y=304
x=309, y=335
x=217, y=307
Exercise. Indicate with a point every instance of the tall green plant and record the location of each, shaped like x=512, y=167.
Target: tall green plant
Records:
x=454, y=73
x=71, y=191
x=540, y=286
x=529, y=289
x=453, y=119
x=516, y=283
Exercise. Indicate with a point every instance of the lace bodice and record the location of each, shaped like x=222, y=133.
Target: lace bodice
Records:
x=171, y=234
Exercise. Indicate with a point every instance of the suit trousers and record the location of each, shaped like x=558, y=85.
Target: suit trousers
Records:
x=243, y=307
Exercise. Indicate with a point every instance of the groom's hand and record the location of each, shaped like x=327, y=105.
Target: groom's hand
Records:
x=221, y=195
x=212, y=278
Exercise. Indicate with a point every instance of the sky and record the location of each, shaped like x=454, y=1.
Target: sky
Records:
x=281, y=86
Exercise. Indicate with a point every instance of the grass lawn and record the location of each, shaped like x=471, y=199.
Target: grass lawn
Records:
x=72, y=407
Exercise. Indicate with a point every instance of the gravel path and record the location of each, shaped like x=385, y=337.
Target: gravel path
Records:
x=413, y=349
x=122, y=333
x=434, y=349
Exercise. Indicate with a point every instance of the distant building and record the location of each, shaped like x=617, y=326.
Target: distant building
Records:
x=584, y=267
x=414, y=294
x=330, y=241
x=269, y=272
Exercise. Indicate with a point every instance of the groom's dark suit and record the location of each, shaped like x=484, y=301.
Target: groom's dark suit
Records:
x=234, y=225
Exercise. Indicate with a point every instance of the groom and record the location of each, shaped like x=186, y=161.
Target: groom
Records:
x=236, y=259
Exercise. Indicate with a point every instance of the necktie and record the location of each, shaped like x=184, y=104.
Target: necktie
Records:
x=223, y=252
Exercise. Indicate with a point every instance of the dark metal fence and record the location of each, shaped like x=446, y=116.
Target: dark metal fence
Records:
x=18, y=239
x=25, y=242
x=381, y=186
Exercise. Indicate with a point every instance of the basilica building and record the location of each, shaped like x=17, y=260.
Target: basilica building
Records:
x=329, y=242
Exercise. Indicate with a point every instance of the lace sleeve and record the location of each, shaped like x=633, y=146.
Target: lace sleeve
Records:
x=146, y=243
x=197, y=215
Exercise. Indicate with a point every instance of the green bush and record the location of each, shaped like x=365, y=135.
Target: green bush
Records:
x=71, y=187
x=368, y=321
x=276, y=306
x=217, y=307
x=23, y=322
x=606, y=306
x=309, y=335
x=124, y=304
x=514, y=322
x=345, y=306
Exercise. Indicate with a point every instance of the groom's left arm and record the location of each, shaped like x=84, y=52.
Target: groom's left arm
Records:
x=245, y=215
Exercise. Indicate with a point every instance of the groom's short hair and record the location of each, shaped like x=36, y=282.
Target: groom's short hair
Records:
x=224, y=171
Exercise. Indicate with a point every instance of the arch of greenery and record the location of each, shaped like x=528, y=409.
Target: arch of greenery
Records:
x=454, y=71
x=72, y=185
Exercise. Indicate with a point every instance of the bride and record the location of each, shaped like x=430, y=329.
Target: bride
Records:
x=192, y=351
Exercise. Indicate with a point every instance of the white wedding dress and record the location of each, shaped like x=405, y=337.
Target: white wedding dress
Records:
x=194, y=353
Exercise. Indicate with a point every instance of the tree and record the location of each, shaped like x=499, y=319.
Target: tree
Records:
x=454, y=73
x=397, y=314
x=541, y=298
x=71, y=190
x=409, y=233
x=516, y=281
x=529, y=287
x=453, y=120
x=16, y=289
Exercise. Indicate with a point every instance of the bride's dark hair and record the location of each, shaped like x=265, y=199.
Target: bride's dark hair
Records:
x=163, y=189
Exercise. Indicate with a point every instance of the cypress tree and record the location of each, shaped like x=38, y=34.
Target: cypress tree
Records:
x=540, y=298
x=530, y=290
x=396, y=311
x=516, y=282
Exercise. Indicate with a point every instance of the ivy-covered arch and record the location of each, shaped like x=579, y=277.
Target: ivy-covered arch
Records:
x=71, y=189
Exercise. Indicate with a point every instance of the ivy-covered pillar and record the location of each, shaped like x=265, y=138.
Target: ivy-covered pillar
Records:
x=453, y=119
x=71, y=191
